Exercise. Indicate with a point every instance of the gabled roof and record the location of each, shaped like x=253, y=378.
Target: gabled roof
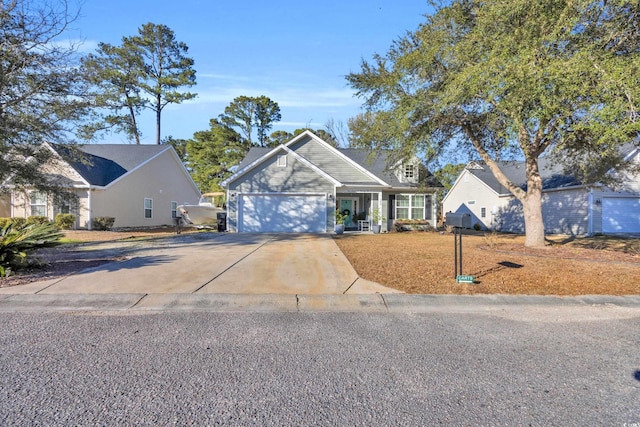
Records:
x=101, y=164
x=378, y=164
x=374, y=166
x=552, y=175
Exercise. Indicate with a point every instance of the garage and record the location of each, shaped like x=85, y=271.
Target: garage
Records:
x=621, y=215
x=282, y=213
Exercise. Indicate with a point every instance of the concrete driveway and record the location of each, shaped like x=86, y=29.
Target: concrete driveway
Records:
x=229, y=263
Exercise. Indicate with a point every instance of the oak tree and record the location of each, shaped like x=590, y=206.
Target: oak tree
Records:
x=551, y=77
x=41, y=90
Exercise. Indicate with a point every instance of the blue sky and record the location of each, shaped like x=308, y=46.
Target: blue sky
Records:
x=296, y=53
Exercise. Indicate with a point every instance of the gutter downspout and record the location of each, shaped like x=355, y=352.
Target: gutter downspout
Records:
x=89, y=222
x=590, y=220
x=380, y=209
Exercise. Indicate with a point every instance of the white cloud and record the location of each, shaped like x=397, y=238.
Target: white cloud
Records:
x=80, y=46
x=293, y=96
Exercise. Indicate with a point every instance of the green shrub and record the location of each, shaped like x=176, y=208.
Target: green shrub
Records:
x=18, y=222
x=37, y=219
x=65, y=221
x=103, y=223
x=4, y=222
x=17, y=242
x=477, y=226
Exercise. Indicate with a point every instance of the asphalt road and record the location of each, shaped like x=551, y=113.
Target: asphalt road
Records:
x=530, y=366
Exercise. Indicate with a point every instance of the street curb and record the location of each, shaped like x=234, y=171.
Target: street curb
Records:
x=362, y=303
x=218, y=302
x=69, y=302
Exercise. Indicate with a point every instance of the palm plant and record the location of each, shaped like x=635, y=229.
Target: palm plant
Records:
x=16, y=242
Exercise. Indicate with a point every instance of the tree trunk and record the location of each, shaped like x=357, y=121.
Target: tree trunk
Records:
x=532, y=207
x=134, y=125
x=158, y=113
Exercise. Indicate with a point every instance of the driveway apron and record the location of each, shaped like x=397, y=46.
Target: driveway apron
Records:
x=289, y=264
x=221, y=263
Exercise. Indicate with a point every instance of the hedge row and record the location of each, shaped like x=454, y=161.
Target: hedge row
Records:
x=62, y=221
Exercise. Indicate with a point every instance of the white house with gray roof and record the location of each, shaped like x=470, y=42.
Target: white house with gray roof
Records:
x=568, y=206
x=297, y=187
x=138, y=185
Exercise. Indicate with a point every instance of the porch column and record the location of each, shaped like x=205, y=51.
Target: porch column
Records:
x=380, y=208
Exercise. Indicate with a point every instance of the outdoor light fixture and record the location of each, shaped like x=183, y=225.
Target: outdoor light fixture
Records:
x=330, y=196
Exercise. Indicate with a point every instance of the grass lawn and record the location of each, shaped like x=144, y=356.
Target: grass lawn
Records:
x=422, y=262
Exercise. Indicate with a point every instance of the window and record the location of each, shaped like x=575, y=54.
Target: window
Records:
x=282, y=160
x=174, y=209
x=417, y=206
x=148, y=208
x=403, y=204
x=409, y=172
x=413, y=206
x=483, y=213
x=64, y=204
x=38, y=203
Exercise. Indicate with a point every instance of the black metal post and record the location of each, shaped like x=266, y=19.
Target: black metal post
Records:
x=460, y=252
x=455, y=252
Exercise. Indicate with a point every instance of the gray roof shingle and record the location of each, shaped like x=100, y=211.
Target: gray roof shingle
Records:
x=552, y=175
x=101, y=164
x=375, y=164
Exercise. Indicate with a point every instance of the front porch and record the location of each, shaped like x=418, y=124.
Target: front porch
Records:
x=358, y=208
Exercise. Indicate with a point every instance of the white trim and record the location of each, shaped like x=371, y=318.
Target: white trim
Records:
x=337, y=152
x=632, y=154
x=273, y=193
x=590, y=203
x=313, y=167
x=144, y=205
x=411, y=206
x=270, y=154
x=56, y=154
x=129, y=172
x=296, y=139
x=89, y=211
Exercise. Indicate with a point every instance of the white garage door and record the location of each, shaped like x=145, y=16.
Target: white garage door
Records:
x=620, y=215
x=267, y=213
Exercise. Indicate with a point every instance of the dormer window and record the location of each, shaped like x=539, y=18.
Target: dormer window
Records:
x=409, y=171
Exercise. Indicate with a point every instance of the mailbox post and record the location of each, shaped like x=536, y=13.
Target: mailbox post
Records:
x=459, y=221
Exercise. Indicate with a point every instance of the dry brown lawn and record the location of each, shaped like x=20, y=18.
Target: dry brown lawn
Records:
x=423, y=262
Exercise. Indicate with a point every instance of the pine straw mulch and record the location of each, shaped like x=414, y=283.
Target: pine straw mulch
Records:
x=423, y=262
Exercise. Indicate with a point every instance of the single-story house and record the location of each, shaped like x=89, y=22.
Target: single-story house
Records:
x=138, y=185
x=297, y=187
x=568, y=206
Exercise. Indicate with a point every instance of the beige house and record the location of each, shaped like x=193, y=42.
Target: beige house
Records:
x=138, y=185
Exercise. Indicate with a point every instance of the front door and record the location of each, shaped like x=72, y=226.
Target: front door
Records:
x=348, y=207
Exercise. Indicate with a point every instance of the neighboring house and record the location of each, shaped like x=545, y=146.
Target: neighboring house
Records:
x=568, y=206
x=297, y=187
x=138, y=185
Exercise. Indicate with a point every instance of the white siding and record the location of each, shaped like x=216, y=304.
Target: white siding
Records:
x=566, y=212
x=470, y=195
